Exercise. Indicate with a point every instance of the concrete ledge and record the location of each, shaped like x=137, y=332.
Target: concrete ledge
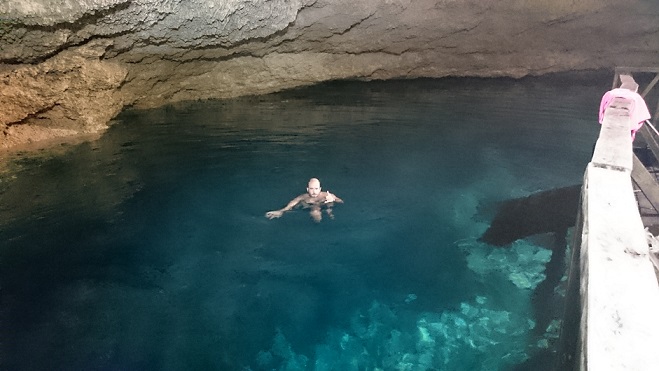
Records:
x=614, y=145
x=618, y=288
x=619, y=291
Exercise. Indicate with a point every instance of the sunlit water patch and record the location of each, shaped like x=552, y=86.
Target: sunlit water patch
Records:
x=148, y=248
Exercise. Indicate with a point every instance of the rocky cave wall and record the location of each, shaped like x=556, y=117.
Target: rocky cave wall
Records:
x=67, y=67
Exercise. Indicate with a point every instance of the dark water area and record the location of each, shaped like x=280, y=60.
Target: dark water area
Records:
x=148, y=248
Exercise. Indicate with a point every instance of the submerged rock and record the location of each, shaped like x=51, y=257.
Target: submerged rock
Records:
x=523, y=264
x=478, y=336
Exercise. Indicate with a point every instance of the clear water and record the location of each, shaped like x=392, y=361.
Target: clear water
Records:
x=148, y=248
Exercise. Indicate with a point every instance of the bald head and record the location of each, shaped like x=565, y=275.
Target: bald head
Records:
x=313, y=187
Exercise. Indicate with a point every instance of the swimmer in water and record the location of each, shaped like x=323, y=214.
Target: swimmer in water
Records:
x=314, y=199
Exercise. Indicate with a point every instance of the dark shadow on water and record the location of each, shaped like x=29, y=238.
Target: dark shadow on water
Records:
x=554, y=210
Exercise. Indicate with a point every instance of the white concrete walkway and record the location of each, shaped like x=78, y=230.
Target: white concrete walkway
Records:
x=619, y=290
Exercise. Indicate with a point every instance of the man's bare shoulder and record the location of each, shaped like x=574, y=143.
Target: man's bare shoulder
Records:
x=303, y=197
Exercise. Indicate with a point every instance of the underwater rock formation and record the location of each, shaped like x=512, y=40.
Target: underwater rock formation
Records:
x=479, y=334
x=70, y=66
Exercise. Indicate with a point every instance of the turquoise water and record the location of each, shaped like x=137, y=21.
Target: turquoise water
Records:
x=148, y=248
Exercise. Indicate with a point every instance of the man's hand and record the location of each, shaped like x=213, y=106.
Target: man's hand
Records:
x=329, y=198
x=274, y=214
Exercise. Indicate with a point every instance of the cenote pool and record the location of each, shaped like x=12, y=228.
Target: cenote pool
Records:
x=148, y=248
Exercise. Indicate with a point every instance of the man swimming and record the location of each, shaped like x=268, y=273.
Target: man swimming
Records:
x=314, y=199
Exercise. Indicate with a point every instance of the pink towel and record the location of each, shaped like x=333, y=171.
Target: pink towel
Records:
x=638, y=112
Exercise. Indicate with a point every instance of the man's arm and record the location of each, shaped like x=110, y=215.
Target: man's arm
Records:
x=277, y=213
x=329, y=197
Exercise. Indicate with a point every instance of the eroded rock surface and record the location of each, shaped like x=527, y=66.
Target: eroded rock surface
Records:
x=68, y=67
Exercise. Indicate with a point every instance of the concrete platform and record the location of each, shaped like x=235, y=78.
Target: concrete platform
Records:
x=618, y=290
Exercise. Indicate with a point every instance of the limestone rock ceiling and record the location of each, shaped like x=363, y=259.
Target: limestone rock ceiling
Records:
x=35, y=29
x=74, y=64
